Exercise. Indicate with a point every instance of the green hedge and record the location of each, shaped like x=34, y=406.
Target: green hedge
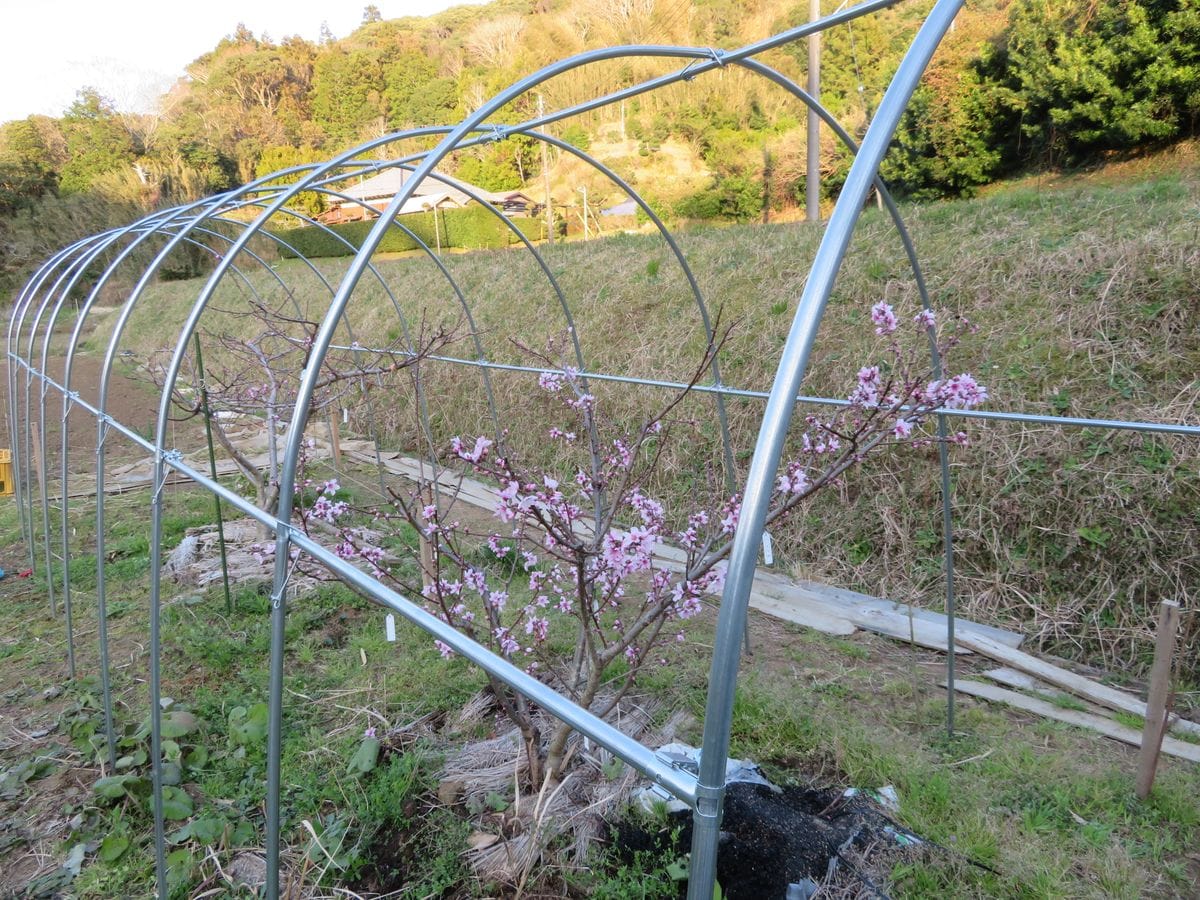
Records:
x=473, y=228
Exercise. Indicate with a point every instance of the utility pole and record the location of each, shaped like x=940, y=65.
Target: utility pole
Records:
x=586, y=231
x=546, y=180
x=812, y=177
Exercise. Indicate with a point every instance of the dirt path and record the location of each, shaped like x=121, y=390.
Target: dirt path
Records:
x=132, y=400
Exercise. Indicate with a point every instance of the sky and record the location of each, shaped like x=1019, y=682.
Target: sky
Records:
x=133, y=50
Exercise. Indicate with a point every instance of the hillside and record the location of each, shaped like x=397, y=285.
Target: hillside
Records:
x=1082, y=296
x=1082, y=292
x=1015, y=85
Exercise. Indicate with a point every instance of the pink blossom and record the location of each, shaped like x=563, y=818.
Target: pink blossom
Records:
x=732, y=510
x=475, y=454
x=443, y=649
x=559, y=434
x=883, y=317
x=509, y=502
x=866, y=392
x=508, y=645
x=539, y=627
x=649, y=509
x=551, y=381
x=902, y=429
x=583, y=403
x=794, y=480
x=925, y=319
x=331, y=486
x=960, y=392
x=328, y=511
x=623, y=456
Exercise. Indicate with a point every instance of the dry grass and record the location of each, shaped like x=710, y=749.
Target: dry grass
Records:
x=1084, y=299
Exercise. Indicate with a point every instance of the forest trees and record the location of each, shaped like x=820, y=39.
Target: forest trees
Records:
x=25, y=169
x=97, y=142
x=1015, y=84
x=1062, y=83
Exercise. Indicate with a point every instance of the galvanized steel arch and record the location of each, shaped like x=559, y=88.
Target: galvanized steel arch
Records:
x=178, y=226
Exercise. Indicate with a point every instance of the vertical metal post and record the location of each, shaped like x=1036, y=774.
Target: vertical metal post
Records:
x=212, y=468
x=275, y=690
x=793, y=363
x=110, y=735
x=812, y=177
x=160, y=852
x=948, y=559
x=546, y=178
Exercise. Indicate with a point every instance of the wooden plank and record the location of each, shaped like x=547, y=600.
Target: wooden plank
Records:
x=1100, y=724
x=1083, y=687
x=815, y=616
x=1022, y=682
x=831, y=610
x=894, y=624
x=870, y=609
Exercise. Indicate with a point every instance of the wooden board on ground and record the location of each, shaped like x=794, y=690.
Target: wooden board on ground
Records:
x=1100, y=724
x=1101, y=694
x=829, y=610
x=1020, y=681
x=875, y=614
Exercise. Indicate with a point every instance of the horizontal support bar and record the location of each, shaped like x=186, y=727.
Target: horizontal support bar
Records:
x=726, y=391
x=678, y=782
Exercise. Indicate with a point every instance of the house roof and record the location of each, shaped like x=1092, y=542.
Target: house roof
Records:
x=391, y=181
x=624, y=208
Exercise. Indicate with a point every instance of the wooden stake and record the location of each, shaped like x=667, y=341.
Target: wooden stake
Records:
x=335, y=437
x=37, y=456
x=428, y=569
x=1156, y=703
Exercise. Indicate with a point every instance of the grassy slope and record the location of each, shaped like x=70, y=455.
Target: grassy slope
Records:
x=1083, y=294
x=1049, y=808
x=1084, y=300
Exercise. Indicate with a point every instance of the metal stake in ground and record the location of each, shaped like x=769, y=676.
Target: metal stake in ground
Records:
x=212, y=468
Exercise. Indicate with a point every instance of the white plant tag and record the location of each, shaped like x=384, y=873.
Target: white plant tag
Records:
x=768, y=551
x=389, y=627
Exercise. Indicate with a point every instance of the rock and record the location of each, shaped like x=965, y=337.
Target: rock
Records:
x=249, y=869
x=181, y=558
x=450, y=792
